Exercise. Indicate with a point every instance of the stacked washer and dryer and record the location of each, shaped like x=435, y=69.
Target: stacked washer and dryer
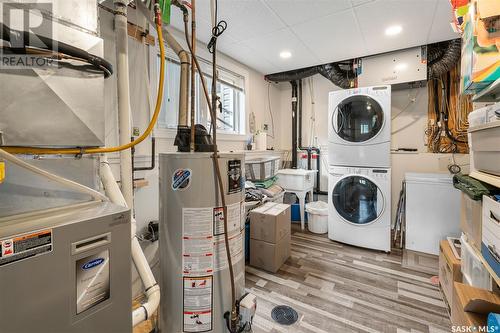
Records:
x=359, y=155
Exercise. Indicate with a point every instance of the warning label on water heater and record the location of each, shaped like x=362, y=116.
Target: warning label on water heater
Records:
x=25, y=246
x=197, y=241
x=198, y=304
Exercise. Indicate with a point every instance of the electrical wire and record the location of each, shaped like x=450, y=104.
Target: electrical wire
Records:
x=147, y=132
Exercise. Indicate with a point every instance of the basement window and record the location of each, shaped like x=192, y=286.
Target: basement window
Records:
x=230, y=90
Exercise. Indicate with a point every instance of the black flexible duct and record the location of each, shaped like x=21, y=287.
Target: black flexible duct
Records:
x=443, y=57
x=14, y=37
x=333, y=72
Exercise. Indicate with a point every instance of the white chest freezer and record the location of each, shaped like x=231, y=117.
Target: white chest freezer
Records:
x=432, y=211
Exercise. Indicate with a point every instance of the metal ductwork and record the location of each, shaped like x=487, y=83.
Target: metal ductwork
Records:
x=442, y=57
x=333, y=72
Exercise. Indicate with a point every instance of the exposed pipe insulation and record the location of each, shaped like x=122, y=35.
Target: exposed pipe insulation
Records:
x=123, y=88
x=63, y=181
x=443, y=57
x=152, y=290
x=184, y=84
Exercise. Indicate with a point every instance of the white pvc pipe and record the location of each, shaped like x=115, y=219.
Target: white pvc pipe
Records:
x=63, y=181
x=123, y=88
x=141, y=263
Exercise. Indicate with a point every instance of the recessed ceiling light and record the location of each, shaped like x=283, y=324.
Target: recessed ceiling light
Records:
x=393, y=30
x=285, y=54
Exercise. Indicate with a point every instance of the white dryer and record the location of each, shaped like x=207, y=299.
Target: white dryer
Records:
x=359, y=127
x=359, y=201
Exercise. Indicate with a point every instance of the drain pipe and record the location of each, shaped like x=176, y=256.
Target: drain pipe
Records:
x=294, y=124
x=123, y=87
x=184, y=84
x=152, y=290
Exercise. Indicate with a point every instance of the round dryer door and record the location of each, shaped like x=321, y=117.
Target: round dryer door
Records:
x=358, y=200
x=358, y=118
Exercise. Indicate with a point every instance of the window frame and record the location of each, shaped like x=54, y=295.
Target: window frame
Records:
x=170, y=132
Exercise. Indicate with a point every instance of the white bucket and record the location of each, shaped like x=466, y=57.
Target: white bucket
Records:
x=317, y=218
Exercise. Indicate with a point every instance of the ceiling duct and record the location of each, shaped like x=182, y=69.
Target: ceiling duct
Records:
x=442, y=57
x=341, y=77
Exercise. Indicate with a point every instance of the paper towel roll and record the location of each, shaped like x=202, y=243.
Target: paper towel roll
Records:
x=261, y=141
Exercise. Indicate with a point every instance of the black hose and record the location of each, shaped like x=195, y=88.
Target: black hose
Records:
x=16, y=37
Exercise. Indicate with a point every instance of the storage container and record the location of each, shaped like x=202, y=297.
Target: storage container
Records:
x=490, y=247
x=261, y=169
x=296, y=179
x=473, y=271
x=317, y=212
x=484, y=115
x=485, y=147
x=449, y=270
x=470, y=220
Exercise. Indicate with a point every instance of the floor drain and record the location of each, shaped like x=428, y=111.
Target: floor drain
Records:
x=284, y=315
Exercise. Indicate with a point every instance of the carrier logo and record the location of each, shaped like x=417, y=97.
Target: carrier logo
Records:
x=93, y=263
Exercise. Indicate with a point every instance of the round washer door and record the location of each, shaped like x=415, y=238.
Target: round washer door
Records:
x=358, y=118
x=358, y=200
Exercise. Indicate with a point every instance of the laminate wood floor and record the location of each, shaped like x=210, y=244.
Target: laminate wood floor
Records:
x=340, y=288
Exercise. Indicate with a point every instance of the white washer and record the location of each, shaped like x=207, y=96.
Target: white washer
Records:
x=359, y=127
x=359, y=201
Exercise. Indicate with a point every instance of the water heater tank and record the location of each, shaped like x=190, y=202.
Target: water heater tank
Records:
x=195, y=279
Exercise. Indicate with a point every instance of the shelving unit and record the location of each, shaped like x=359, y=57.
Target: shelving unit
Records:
x=490, y=94
x=487, y=178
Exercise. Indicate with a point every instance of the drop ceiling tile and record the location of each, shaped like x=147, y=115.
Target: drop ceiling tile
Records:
x=332, y=38
x=270, y=46
x=297, y=11
x=356, y=3
x=441, y=29
x=415, y=17
x=247, y=19
x=246, y=55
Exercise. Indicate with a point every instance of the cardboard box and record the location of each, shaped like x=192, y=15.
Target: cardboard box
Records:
x=472, y=305
x=268, y=256
x=270, y=222
x=449, y=270
x=471, y=220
